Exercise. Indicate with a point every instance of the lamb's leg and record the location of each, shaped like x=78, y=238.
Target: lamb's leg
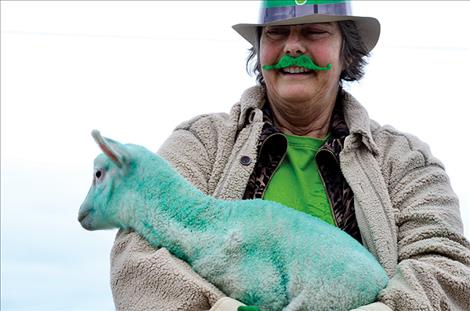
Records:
x=298, y=303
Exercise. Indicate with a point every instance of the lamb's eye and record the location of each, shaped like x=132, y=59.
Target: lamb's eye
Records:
x=98, y=174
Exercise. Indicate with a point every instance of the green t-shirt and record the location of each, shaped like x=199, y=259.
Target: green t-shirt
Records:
x=297, y=182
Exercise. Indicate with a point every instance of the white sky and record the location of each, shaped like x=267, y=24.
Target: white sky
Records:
x=134, y=70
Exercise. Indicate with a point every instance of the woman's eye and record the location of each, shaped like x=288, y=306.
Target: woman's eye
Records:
x=276, y=32
x=316, y=32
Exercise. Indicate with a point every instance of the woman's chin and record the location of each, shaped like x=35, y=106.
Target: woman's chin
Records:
x=297, y=94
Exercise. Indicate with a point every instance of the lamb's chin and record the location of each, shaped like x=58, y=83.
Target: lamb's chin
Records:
x=86, y=222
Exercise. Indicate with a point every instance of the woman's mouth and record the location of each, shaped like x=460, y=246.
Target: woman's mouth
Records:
x=296, y=70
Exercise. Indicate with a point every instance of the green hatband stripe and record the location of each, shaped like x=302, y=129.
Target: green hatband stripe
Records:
x=280, y=3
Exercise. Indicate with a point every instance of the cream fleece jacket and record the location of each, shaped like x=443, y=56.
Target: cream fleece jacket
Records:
x=407, y=213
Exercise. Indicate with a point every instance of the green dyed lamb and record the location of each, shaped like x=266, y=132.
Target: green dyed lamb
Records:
x=259, y=252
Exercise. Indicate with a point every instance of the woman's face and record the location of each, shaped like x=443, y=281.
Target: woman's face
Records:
x=322, y=42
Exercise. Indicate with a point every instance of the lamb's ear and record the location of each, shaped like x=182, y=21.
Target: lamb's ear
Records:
x=114, y=150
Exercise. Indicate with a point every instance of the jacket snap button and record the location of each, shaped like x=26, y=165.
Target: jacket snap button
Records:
x=245, y=160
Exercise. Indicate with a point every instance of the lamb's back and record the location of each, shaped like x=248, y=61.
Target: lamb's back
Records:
x=263, y=239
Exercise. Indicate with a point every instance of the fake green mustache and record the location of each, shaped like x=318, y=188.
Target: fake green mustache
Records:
x=300, y=61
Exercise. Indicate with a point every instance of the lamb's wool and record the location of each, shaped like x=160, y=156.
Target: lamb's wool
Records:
x=258, y=252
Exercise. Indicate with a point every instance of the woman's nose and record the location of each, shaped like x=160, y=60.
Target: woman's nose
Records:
x=294, y=45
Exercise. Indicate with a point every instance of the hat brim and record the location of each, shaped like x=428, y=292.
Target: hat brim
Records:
x=368, y=27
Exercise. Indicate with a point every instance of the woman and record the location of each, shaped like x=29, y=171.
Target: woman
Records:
x=300, y=136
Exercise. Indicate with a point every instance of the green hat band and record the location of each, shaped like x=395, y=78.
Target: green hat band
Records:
x=278, y=3
x=276, y=10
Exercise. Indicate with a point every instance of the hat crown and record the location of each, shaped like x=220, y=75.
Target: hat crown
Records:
x=278, y=10
x=295, y=12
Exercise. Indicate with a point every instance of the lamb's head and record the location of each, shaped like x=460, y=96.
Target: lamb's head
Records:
x=114, y=170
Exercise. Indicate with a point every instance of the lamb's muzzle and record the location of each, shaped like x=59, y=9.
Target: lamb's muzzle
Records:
x=84, y=219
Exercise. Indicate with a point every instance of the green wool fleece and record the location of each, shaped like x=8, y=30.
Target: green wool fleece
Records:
x=258, y=252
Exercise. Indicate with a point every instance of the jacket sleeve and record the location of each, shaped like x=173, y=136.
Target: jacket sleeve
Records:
x=144, y=278
x=433, y=271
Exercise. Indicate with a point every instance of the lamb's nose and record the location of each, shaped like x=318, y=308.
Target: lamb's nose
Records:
x=81, y=216
x=83, y=212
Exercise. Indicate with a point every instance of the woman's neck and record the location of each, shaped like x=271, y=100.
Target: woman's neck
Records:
x=311, y=118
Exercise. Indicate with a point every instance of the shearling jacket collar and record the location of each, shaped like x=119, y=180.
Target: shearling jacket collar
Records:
x=252, y=99
x=359, y=124
x=355, y=116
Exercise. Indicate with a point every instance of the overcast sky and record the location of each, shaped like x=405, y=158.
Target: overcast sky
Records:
x=134, y=70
